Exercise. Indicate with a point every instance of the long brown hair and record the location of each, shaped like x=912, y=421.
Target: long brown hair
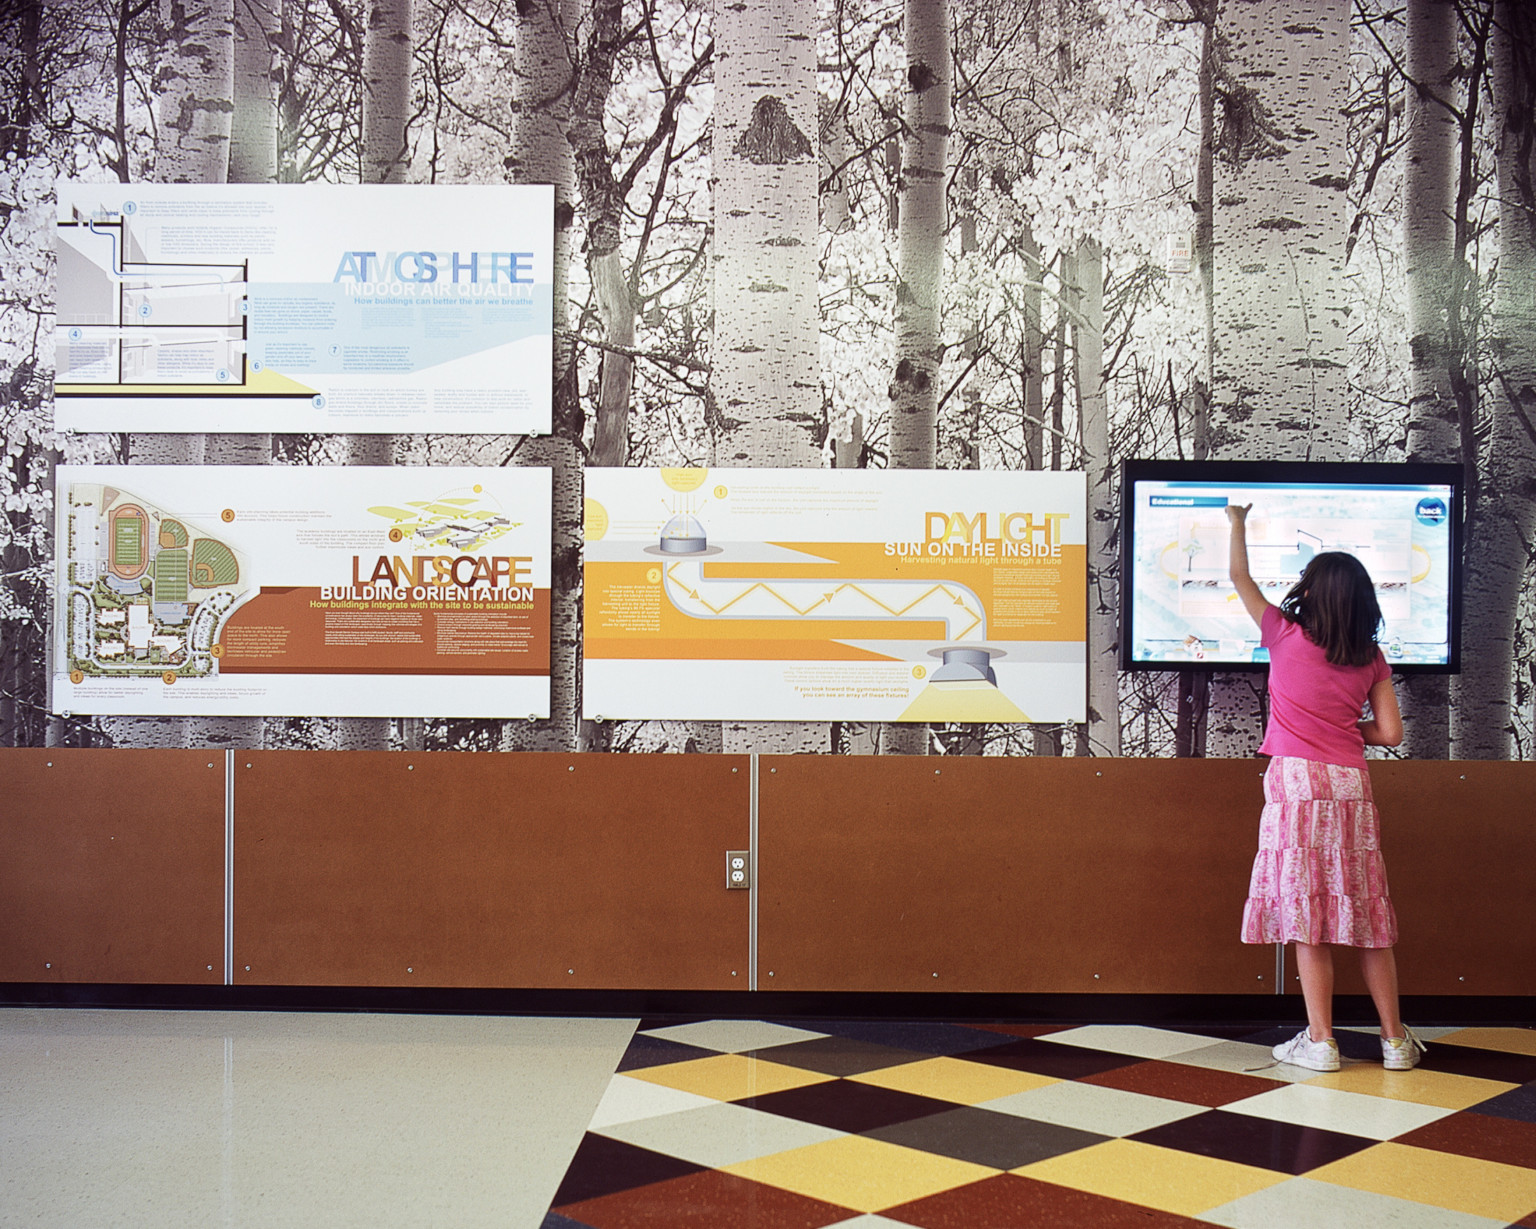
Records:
x=1335, y=603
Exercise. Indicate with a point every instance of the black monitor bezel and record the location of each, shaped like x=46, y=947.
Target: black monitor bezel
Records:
x=1370, y=473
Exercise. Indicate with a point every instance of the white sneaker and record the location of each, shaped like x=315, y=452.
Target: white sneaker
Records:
x=1401, y=1053
x=1302, y=1051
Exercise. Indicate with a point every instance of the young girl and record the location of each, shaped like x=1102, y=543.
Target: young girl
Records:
x=1318, y=879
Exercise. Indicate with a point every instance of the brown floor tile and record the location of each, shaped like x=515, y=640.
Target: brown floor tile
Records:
x=1062, y=1062
x=1506, y=1140
x=1013, y=1202
x=1175, y=1082
x=707, y=1200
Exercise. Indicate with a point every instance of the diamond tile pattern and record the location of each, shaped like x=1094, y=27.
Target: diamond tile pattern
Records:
x=820, y=1124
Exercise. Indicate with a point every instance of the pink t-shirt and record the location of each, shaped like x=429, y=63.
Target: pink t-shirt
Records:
x=1314, y=707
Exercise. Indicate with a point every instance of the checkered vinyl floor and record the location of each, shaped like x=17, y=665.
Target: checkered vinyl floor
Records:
x=800, y=1125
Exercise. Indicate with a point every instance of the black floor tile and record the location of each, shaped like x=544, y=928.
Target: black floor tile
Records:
x=985, y=1137
x=845, y=1105
x=1281, y=1146
x=928, y=1038
x=1517, y=1103
x=602, y=1166
x=839, y=1055
x=645, y=1051
x=1063, y=1062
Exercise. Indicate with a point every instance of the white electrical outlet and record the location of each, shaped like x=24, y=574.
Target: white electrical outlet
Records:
x=738, y=868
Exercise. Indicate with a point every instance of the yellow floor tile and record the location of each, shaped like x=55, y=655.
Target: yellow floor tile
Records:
x=1512, y=1040
x=1452, y=1092
x=951, y=1079
x=729, y=1077
x=1155, y=1177
x=866, y=1174
x=1440, y=1179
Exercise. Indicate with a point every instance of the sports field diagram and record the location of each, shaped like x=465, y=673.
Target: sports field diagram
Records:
x=147, y=589
x=313, y=591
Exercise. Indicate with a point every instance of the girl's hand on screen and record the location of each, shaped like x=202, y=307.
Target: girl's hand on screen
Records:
x=1238, y=513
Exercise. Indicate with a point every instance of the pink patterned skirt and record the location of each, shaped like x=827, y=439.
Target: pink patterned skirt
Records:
x=1318, y=876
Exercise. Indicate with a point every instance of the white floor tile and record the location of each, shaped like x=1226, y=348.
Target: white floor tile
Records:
x=1240, y=1056
x=1106, y=1111
x=1332, y=1109
x=1130, y=1039
x=721, y=1134
x=270, y=1120
x=1302, y=1203
x=629, y=1100
x=733, y=1036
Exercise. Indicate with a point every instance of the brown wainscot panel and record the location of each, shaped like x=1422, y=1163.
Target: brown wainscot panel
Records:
x=1024, y=875
x=518, y=870
x=1459, y=839
x=111, y=866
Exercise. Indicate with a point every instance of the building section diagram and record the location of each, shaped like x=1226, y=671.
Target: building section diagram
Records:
x=304, y=307
x=147, y=591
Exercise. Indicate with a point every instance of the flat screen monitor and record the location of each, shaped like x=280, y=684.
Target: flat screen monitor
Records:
x=1178, y=608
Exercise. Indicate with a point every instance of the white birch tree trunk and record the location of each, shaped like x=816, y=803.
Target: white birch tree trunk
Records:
x=541, y=153
x=1278, y=387
x=920, y=278
x=926, y=123
x=1502, y=527
x=253, y=128
x=1430, y=172
x=194, y=83
x=252, y=159
x=764, y=396
x=765, y=386
x=603, y=207
x=386, y=157
x=386, y=90
x=1103, y=725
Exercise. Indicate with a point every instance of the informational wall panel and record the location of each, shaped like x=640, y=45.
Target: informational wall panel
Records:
x=304, y=307
x=865, y=595
x=302, y=591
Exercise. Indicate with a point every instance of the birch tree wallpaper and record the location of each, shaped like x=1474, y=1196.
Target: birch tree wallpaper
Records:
x=963, y=234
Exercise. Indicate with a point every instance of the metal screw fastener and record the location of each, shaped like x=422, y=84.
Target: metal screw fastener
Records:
x=247, y=765
x=570, y=768
x=50, y=763
x=572, y=972
x=210, y=968
x=210, y=765
x=733, y=972
x=408, y=969
x=770, y=972
x=247, y=968
x=935, y=974
x=1095, y=977
x=410, y=768
x=48, y=965
x=936, y=772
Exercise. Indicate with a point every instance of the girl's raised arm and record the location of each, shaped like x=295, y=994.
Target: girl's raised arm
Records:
x=1237, y=567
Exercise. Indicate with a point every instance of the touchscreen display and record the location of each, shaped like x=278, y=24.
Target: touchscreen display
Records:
x=1185, y=613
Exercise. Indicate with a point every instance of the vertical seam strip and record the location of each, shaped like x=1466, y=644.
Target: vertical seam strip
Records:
x=752, y=864
x=229, y=868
